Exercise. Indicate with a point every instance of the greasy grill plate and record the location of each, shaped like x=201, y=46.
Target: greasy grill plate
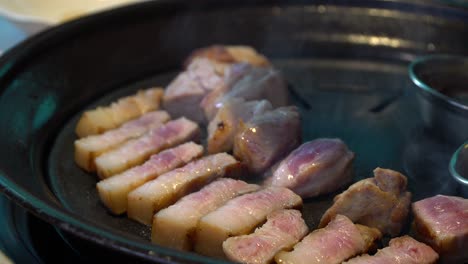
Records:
x=346, y=66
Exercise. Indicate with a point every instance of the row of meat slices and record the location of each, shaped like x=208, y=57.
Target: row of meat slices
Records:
x=150, y=173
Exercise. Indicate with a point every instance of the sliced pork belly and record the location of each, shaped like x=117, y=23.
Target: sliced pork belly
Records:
x=175, y=226
x=282, y=230
x=90, y=147
x=102, y=119
x=165, y=190
x=335, y=243
x=316, y=167
x=240, y=216
x=402, y=250
x=267, y=138
x=442, y=222
x=381, y=202
x=113, y=191
x=249, y=83
x=136, y=151
x=224, y=126
x=184, y=94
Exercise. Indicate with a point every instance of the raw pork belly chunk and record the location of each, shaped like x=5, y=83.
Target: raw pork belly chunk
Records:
x=381, y=202
x=338, y=241
x=316, y=167
x=402, y=250
x=268, y=138
x=442, y=222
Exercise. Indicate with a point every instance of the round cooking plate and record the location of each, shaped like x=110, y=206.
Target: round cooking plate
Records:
x=346, y=65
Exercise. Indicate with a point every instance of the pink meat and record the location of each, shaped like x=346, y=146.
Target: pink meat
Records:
x=184, y=94
x=402, y=250
x=442, y=222
x=268, y=138
x=239, y=216
x=249, y=83
x=113, y=191
x=337, y=242
x=224, y=126
x=174, y=226
x=381, y=202
x=136, y=151
x=316, y=167
x=282, y=230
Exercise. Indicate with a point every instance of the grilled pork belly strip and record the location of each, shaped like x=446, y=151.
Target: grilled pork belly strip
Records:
x=136, y=151
x=174, y=226
x=113, y=191
x=282, y=230
x=402, y=250
x=224, y=126
x=102, y=119
x=268, y=138
x=165, y=190
x=442, y=222
x=316, y=167
x=338, y=241
x=381, y=202
x=240, y=216
x=90, y=147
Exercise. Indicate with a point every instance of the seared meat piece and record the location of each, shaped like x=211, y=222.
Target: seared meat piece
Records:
x=226, y=55
x=316, y=167
x=267, y=138
x=113, y=191
x=381, y=202
x=165, y=190
x=102, y=119
x=337, y=242
x=175, y=226
x=184, y=94
x=442, y=222
x=282, y=230
x=90, y=147
x=136, y=151
x=240, y=216
x=224, y=126
x=249, y=83
x=402, y=250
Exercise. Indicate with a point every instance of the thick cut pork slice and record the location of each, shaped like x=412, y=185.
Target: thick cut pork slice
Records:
x=282, y=230
x=316, y=167
x=381, y=202
x=268, y=138
x=240, y=216
x=165, y=190
x=249, y=83
x=90, y=147
x=402, y=250
x=224, y=126
x=113, y=191
x=333, y=244
x=136, y=151
x=174, y=226
x=184, y=94
x=102, y=119
x=442, y=222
